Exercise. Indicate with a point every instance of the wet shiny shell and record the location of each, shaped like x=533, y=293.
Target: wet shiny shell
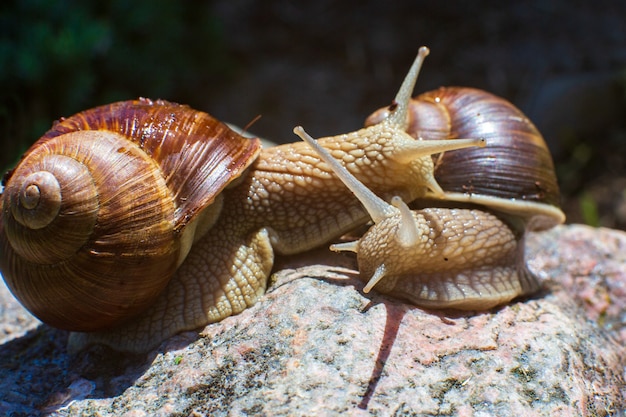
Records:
x=91, y=217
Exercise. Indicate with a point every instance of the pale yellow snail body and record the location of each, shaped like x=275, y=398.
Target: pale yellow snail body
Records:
x=286, y=201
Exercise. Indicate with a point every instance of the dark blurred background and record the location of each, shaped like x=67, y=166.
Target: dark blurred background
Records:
x=327, y=65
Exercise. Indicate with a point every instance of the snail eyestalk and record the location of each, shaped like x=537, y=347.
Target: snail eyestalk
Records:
x=416, y=148
x=375, y=279
x=408, y=233
x=398, y=114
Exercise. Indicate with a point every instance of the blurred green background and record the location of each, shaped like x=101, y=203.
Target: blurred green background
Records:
x=327, y=65
x=60, y=57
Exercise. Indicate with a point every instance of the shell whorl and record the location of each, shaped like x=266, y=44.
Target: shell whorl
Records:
x=515, y=164
x=38, y=200
x=80, y=257
x=54, y=202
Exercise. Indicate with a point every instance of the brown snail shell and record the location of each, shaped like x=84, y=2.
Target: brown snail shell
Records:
x=513, y=174
x=103, y=208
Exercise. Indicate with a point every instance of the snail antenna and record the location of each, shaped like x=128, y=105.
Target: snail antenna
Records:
x=399, y=107
x=247, y=127
x=408, y=233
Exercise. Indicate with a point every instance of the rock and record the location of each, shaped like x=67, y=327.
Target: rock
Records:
x=315, y=345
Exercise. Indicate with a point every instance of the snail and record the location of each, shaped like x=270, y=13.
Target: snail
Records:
x=282, y=200
x=105, y=206
x=458, y=258
x=279, y=200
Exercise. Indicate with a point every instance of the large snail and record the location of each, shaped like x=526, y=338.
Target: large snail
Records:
x=285, y=201
x=105, y=206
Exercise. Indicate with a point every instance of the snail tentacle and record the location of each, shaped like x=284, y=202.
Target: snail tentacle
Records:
x=408, y=232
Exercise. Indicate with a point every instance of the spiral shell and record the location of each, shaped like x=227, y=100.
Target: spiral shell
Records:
x=102, y=209
x=514, y=173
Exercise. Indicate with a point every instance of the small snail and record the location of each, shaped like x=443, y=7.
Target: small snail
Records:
x=434, y=257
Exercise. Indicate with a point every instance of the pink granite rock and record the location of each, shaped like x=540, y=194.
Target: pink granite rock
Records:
x=315, y=345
